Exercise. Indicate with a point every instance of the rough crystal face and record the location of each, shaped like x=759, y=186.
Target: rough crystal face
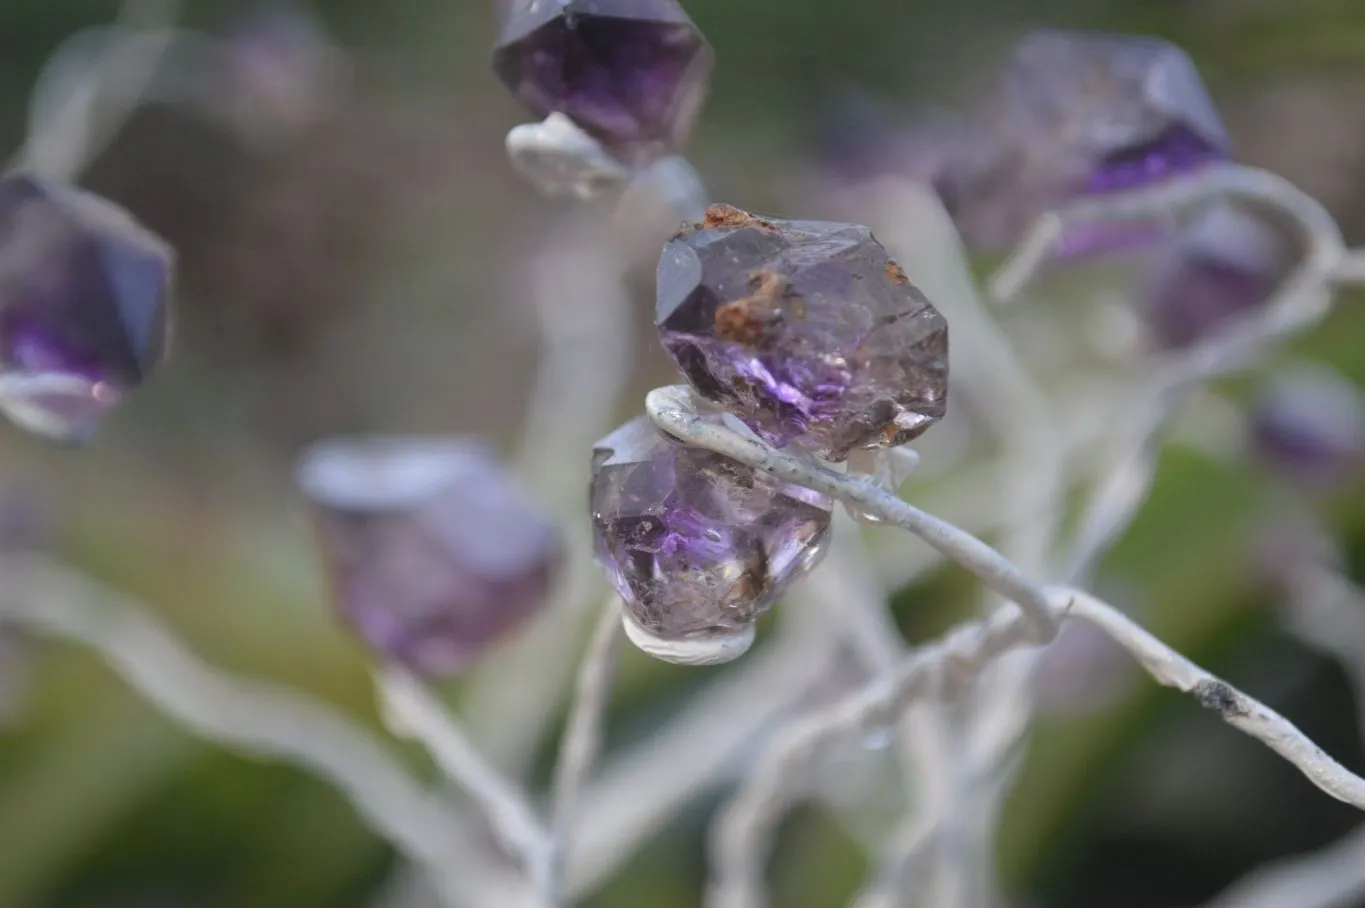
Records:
x=433, y=551
x=804, y=330
x=696, y=544
x=1225, y=264
x=84, y=293
x=631, y=73
x=1073, y=114
x=1308, y=424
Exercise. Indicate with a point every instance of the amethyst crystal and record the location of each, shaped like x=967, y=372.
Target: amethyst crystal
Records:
x=805, y=330
x=1072, y=114
x=434, y=553
x=1308, y=424
x=696, y=544
x=631, y=73
x=1223, y=265
x=84, y=292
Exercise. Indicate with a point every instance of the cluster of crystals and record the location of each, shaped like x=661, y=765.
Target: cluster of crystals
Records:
x=807, y=331
x=697, y=545
x=84, y=296
x=1076, y=114
x=631, y=73
x=433, y=551
x=1223, y=265
x=808, y=335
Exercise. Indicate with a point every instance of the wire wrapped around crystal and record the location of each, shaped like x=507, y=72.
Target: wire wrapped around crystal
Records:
x=807, y=331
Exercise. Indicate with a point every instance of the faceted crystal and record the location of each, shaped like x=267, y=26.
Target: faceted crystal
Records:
x=1308, y=424
x=1225, y=264
x=1073, y=114
x=84, y=292
x=696, y=544
x=805, y=330
x=433, y=551
x=631, y=73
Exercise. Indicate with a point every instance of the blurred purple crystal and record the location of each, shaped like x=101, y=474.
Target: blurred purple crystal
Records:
x=1221, y=266
x=804, y=330
x=1308, y=424
x=1075, y=114
x=434, y=552
x=631, y=73
x=696, y=544
x=84, y=294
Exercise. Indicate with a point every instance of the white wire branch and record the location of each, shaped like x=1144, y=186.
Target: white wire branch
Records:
x=673, y=411
x=256, y=719
x=582, y=740
x=1326, y=252
x=411, y=711
x=744, y=829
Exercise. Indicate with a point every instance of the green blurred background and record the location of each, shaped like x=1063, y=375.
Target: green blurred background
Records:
x=364, y=276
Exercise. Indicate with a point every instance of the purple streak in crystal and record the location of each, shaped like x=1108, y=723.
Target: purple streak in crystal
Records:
x=434, y=552
x=631, y=73
x=697, y=545
x=1308, y=424
x=84, y=292
x=1075, y=114
x=805, y=330
x=1223, y=265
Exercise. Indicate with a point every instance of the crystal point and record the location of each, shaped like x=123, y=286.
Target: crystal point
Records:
x=631, y=73
x=1223, y=265
x=1075, y=114
x=84, y=292
x=433, y=551
x=696, y=544
x=807, y=331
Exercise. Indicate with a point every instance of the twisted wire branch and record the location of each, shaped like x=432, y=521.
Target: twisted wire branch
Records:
x=582, y=740
x=744, y=828
x=672, y=410
x=253, y=718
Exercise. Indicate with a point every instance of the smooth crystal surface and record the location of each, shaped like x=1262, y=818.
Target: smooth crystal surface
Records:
x=696, y=544
x=805, y=330
x=1223, y=265
x=84, y=292
x=631, y=73
x=1308, y=424
x=1074, y=114
x=433, y=551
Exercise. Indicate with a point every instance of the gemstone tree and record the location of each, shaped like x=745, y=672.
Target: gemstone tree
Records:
x=697, y=545
x=1072, y=114
x=631, y=73
x=804, y=330
x=434, y=552
x=84, y=293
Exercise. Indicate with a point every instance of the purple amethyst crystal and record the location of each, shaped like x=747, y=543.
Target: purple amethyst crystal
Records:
x=631, y=73
x=84, y=292
x=1222, y=266
x=1308, y=424
x=434, y=553
x=804, y=330
x=697, y=545
x=1077, y=114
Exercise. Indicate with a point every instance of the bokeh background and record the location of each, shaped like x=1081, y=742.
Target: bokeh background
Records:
x=353, y=255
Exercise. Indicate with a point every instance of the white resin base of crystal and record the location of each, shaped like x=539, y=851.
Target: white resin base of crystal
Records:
x=699, y=651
